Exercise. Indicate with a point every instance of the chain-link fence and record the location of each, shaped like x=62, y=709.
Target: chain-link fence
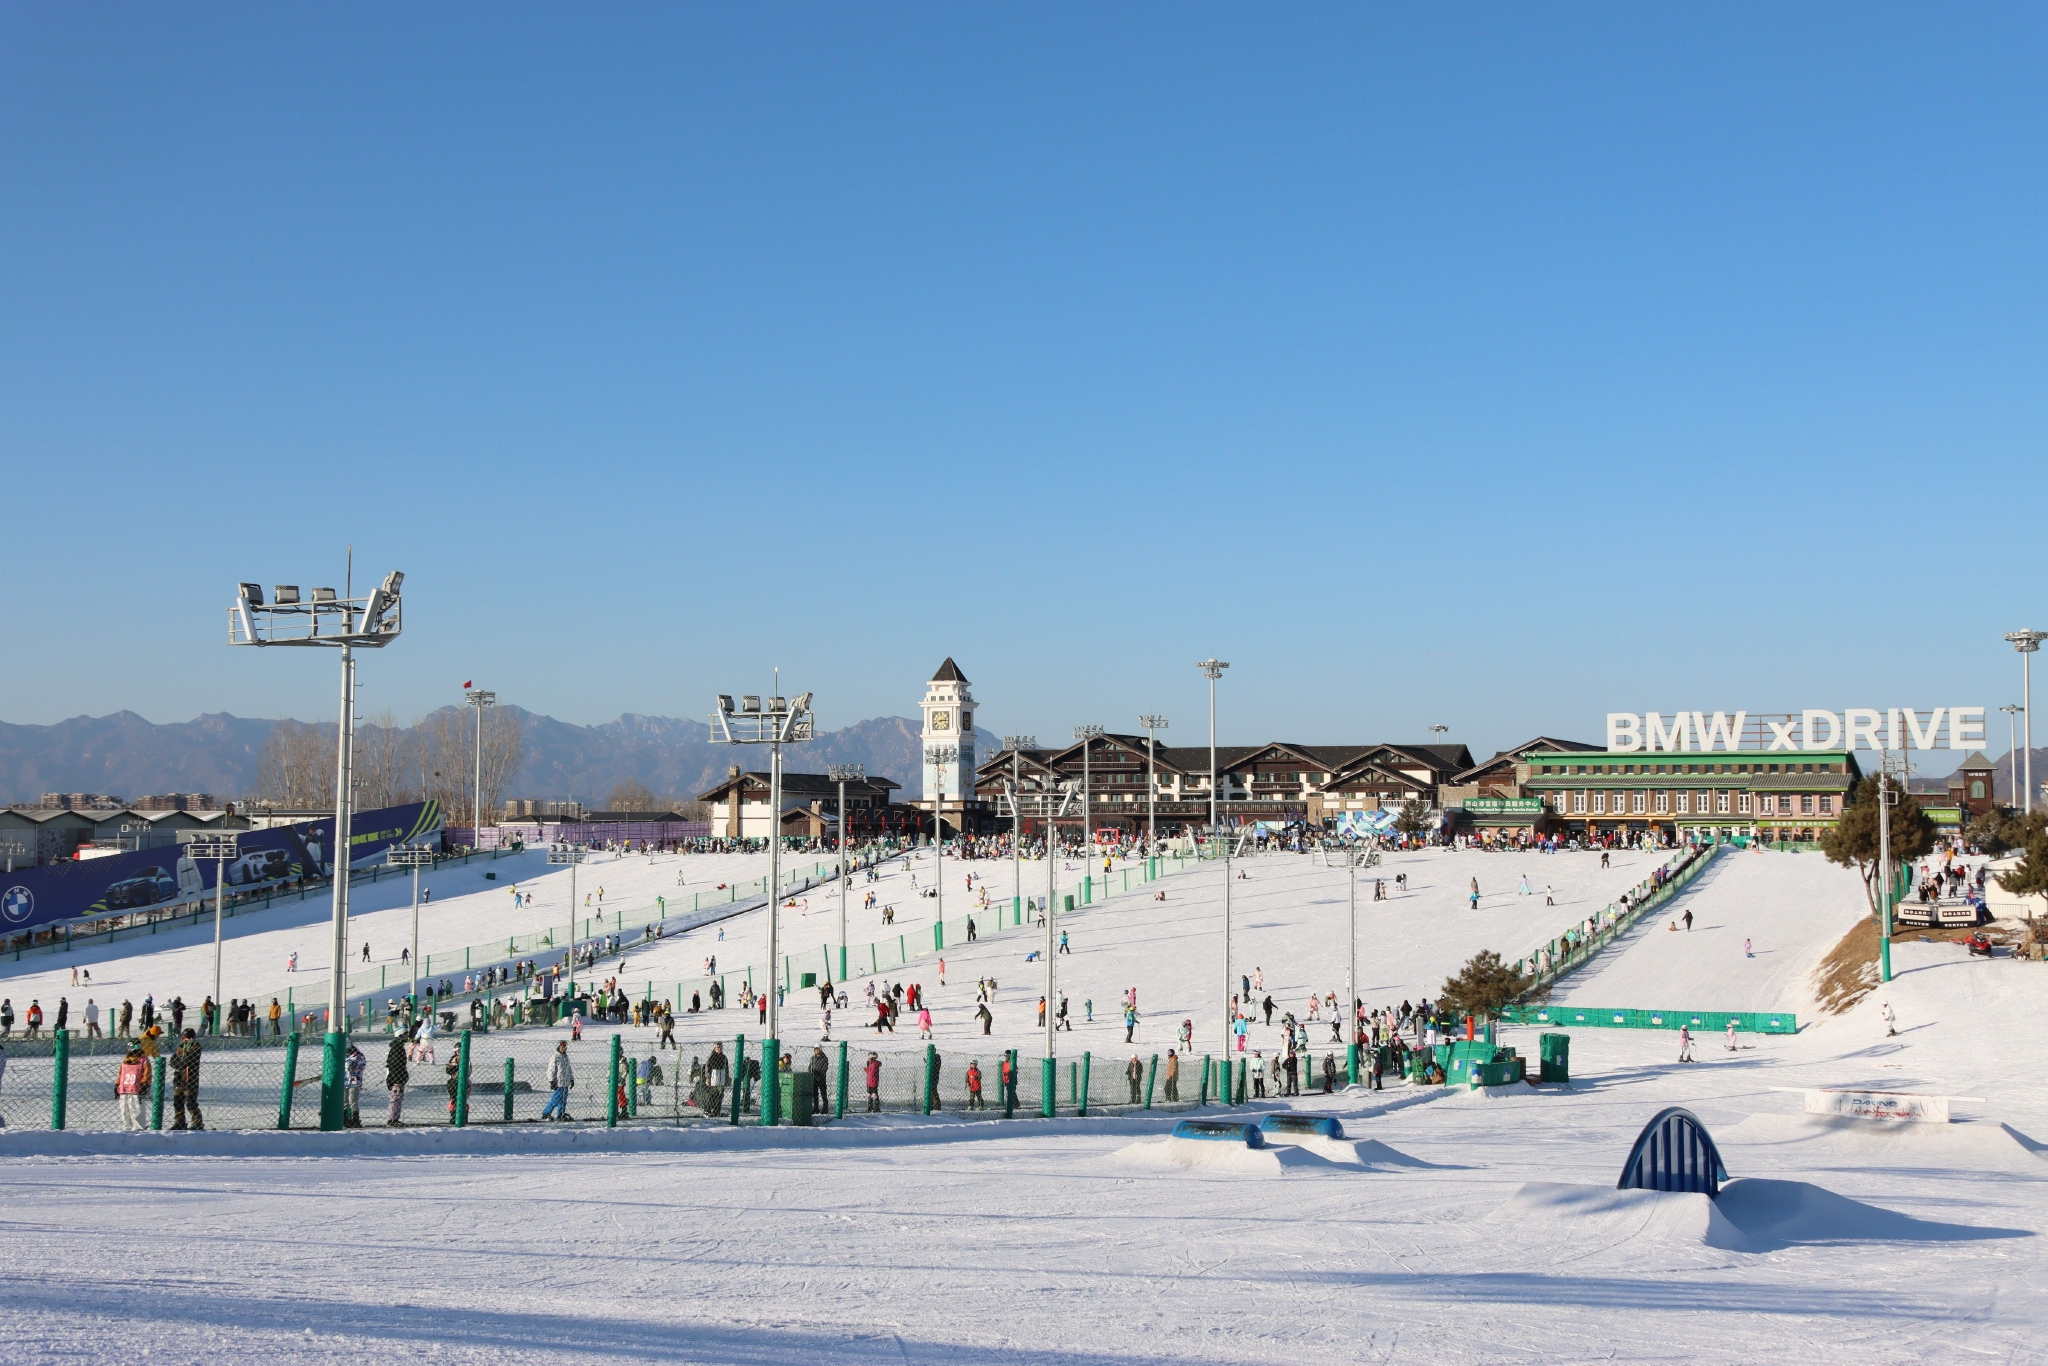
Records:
x=515, y=1077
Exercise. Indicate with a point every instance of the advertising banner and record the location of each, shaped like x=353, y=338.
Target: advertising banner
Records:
x=121, y=884
x=1896, y=1106
x=1361, y=824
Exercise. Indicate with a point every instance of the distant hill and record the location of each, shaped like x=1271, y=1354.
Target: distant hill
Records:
x=127, y=756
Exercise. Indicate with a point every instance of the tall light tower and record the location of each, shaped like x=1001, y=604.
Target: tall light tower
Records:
x=938, y=756
x=1151, y=724
x=1439, y=731
x=1212, y=669
x=2012, y=712
x=782, y=721
x=1016, y=745
x=220, y=848
x=844, y=774
x=416, y=857
x=328, y=621
x=479, y=698
x=570, y=855
x=1087, y=735
x=1049, y=804
x=2027, y=642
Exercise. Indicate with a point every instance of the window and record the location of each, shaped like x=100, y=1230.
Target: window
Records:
x=1742, y=803
x=1976, y=789
x=1827, y=804
x=1579, y=803
x=1806, y=803
x=1722, y=801
x=1684, y=803
x=1663, y=803
x=1639, y=803
x=1599, y=803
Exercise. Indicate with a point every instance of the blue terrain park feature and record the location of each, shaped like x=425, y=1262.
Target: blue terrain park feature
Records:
x=1218, y=1131
x=1319, y=1126
x=1674, y=1153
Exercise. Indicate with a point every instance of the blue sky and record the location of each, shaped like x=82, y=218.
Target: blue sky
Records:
x=1497, y=366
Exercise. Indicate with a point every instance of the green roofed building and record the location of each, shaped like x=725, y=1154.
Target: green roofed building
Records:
x=1724, y=794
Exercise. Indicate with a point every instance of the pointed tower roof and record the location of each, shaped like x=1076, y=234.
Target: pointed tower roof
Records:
x=1976, y=759
x=949, y=672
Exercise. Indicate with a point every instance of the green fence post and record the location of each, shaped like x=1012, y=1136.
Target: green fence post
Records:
x=330, y=1077
x=461, y=1117
x=1244, y=1077
x=771, y=1082
x=1351, y=1064
x=156, y=1095
x=508, y=1090
x=839, y=1100
x=938, y=935
x=1048, y=1087
x=931, y=1073
x=1204, y=1098
x=739, y=1075
x=611, y=1094
x=1150, y=1077
x=60, y=1080
x=291, y=1070
x=1085, y=1060
x=1223, y=1071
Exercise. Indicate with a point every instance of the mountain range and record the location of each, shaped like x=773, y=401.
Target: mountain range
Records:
x=127, y=756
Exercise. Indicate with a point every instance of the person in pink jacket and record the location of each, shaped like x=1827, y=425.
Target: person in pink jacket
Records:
x=131, y=1083
x=924, y=1022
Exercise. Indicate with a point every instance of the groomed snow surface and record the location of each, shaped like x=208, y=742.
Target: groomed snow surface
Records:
x=1446, y=1227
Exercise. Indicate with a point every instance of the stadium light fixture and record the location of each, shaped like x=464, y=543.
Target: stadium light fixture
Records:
x=479, y=698
x=347, y=623
x=1151, y=725
x=782, y=721
x=844, y=774
x=416, y=857
x=570, y=855
x=220, y=847
x=2027, y=642
x=1049, y=804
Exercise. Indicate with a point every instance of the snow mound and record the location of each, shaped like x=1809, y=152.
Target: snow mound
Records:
x=1752, y=1215
x=1232, y=1159
x=1348, y=1152
x=1771, y=1214
x=1836, y=1137
x=1589, y=1216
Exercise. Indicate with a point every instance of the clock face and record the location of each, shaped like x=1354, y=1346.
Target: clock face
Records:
x=942, y=720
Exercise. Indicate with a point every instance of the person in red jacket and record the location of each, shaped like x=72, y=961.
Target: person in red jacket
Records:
x=872, y=1074
x=35, y=1018
x=974, y=1100
x=131, y=1083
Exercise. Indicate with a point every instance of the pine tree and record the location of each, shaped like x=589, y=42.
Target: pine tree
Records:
x=1484, y=986
x=1853, y=842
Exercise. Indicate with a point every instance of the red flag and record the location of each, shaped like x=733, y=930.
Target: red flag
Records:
x=465, y=682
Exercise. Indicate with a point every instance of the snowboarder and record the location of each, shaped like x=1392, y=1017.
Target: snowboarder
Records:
x=1891, y=1021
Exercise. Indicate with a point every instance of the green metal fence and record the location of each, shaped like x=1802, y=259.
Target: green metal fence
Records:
x=1702, y=1021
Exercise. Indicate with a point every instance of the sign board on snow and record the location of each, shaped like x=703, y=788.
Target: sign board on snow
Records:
x=1894, y=1106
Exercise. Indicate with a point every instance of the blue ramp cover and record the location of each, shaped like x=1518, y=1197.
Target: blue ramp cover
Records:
x=1322, y=1126
x=1219, y=1131
x=1674, y=1153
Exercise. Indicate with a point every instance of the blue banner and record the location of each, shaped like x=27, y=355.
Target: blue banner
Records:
x=121, y=884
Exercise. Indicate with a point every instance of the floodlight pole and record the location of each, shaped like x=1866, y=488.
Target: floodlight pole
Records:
x=1017, y=744
x=2027, y=642
x=479, y=698
x=372, y=621
x=840, y=773
x=782, y=721
x=1151, y=724
x=1086, y=735
x=415, y=857
x=1212, y=669
x=220, y=848
x=1884, y=865
x=2012, y=712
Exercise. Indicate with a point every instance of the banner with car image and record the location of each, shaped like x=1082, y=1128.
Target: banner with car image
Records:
x=147, y=879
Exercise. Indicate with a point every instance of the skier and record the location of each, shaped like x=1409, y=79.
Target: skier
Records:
x=872, y=1075
x=1747, y=952
x=1687, y=918
x=1731, y=1036
x=1891, y=1021
x=1684, y=1044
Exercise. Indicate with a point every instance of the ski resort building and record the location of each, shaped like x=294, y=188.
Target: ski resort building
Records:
x=1787, y=796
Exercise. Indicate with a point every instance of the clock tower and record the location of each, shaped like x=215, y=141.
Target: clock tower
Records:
x=948, y=721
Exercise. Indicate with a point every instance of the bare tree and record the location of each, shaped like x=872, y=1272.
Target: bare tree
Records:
x=296, y=766
x=504, y=755
x=384, y=760
x=631, y=795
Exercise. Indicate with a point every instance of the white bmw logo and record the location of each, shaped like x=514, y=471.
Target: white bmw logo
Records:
x=18, y=904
